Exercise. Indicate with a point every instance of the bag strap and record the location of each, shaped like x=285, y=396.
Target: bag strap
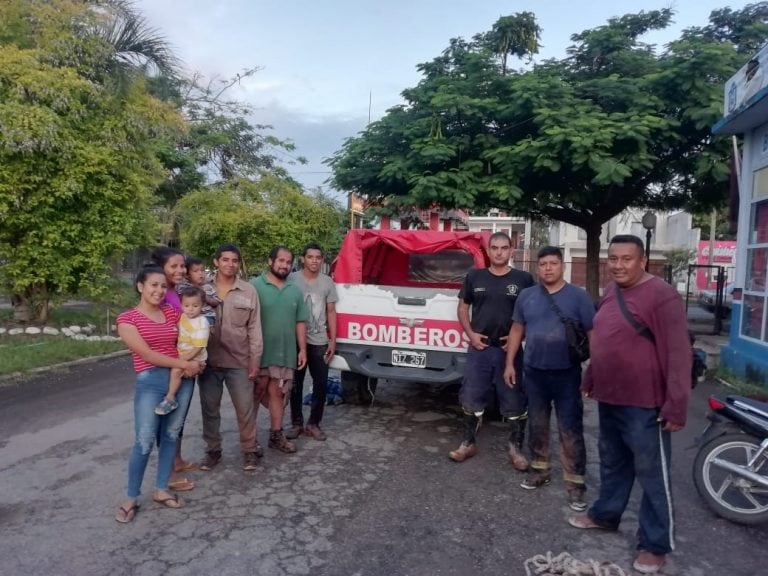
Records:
x=554, y=306
x=639, y=327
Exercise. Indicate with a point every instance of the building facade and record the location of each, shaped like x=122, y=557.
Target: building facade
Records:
x=746, y=114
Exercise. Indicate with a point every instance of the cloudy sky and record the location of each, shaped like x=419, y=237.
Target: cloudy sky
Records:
x=321, y=60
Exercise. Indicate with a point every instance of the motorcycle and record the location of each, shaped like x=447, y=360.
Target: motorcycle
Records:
x=730, y=471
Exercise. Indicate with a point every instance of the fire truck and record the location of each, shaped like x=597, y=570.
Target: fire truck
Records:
x=396, y=313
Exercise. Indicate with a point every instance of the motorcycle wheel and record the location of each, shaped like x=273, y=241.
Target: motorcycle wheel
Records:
x=728, y=494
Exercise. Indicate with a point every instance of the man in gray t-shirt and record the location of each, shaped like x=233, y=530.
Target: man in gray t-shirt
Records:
x=320, y=298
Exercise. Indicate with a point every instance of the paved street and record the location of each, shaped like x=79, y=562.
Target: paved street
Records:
x=380, y=497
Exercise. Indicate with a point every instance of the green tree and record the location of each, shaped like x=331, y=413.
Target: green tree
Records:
x=614, y=124
x=517, y=35
x=78, y=162
x=257, y=215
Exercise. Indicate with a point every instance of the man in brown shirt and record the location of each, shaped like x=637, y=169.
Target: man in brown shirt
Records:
x=234, y=355
x=640, y=374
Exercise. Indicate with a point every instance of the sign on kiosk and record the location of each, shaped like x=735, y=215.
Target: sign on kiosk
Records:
x=751, y=79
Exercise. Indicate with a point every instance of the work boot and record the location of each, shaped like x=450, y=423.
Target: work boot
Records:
x=278, y=441
x=315, y=432
x=463, y=452
x=516, y=438
x=468, y=448
x=250, y=461
x=210, y=461
x=295, y=431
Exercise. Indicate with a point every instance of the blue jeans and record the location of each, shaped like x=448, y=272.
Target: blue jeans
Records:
x=561, y=389
x=633, y=446
x=484, y=376
x=151, y=388
x=318, y=369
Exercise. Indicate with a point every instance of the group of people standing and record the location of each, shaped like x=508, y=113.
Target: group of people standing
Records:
x=256, y=338
x=639, y=373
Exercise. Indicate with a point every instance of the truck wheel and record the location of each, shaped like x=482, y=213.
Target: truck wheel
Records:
x=357, y=388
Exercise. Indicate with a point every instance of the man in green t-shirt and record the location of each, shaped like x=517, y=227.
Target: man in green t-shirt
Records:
x=283, y=325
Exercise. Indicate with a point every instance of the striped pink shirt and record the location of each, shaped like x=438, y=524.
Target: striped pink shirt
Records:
x=159, y=337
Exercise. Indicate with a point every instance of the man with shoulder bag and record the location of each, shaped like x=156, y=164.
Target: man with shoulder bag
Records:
x=555, y=318
x=640, y=375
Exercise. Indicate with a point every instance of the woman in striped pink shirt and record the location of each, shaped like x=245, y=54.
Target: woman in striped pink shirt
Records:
x=150, y=330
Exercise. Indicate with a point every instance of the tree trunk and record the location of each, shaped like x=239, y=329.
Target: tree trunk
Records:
x=593, y=260
x=42, y=311
x=21, y=309
x=32, y=304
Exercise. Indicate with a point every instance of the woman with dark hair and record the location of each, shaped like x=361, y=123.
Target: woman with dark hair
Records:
x=174, y=266
x=150, y=331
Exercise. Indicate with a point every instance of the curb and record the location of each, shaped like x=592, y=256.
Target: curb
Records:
x=6, y=378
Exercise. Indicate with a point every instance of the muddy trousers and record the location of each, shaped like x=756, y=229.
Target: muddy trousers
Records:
x=559, y=389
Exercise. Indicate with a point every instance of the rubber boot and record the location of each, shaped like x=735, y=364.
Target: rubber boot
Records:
x=516, y=439
x=468, y=446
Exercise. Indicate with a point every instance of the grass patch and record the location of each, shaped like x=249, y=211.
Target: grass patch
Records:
x=741, y=386
x=24, y=353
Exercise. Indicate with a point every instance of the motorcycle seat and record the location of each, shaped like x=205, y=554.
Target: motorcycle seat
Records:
x=751, y=405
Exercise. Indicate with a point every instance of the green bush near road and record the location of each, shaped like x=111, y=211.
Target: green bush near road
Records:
x=24, y=353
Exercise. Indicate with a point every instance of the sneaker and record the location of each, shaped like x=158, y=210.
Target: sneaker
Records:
x=463, y=452
x=535, y=481
x=211, y=460
x=648, y=563
x=250, y=461
x=165, y=407
x=295, y=431
x=315, y=432
x=576, y=500
x=278, y=441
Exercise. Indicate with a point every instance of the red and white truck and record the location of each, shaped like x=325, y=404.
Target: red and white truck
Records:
x=396, y=313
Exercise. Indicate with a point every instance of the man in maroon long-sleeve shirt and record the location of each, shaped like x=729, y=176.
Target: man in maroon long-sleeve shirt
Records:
x=642, y=382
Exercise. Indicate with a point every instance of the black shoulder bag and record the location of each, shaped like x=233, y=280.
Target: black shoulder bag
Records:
x=699, y=367
x=639, y=327
x=575, y=335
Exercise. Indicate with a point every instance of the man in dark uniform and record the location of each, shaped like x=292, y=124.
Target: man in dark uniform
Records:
x=491, y=294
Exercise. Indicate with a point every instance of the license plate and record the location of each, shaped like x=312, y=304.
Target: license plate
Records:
x=409, y=358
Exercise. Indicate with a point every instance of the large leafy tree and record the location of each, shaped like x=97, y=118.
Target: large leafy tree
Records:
x=78, y=161
x=614, y=124
x=258, y=215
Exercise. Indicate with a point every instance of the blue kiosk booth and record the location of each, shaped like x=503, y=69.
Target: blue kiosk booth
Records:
x=746, y=114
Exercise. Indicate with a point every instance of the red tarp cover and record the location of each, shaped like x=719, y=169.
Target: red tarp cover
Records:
x=381, y=256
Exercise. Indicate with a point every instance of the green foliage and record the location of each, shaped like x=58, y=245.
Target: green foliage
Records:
x=703, y=221
x=77, y=163
x=256, y=216
x=679, y=260
x=615, y=124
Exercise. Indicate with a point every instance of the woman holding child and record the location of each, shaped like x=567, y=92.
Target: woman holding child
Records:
x=174, y=266
x=150, y=331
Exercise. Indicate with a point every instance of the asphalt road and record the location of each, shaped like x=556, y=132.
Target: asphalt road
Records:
x=380, y=497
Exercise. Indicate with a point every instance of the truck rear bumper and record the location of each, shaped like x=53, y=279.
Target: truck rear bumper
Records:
x=376, y=362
